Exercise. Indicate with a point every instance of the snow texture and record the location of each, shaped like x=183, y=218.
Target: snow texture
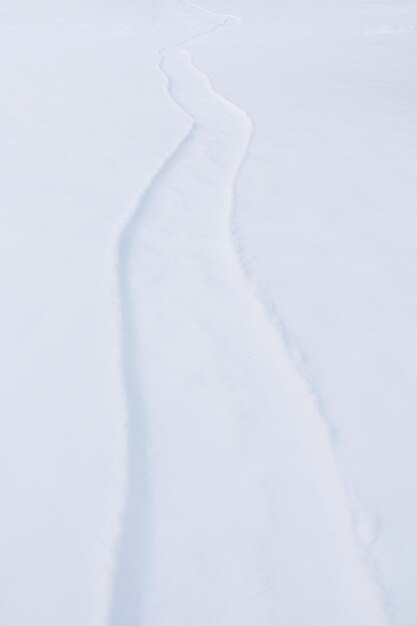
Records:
x=208, y=321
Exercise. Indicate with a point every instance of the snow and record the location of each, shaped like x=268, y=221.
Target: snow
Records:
x=208, y=321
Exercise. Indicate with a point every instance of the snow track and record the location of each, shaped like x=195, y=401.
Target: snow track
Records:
x=232, y=482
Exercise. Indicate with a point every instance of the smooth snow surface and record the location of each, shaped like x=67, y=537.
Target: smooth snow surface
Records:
x=209, y=313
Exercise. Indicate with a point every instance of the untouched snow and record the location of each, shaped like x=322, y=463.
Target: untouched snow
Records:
x=208, y=321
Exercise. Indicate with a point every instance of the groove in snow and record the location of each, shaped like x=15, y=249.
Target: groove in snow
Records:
x=138, y=578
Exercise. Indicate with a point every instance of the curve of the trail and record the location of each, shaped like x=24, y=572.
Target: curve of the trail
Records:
x=234, y=512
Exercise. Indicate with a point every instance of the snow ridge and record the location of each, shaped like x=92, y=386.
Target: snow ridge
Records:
x=129, y=581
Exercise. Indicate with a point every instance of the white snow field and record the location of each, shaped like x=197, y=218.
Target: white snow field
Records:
x=208, y=321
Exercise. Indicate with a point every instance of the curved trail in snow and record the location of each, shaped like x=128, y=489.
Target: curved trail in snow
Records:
x=232, y=485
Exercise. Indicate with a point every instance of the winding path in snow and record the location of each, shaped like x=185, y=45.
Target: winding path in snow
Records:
x=234, y=507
